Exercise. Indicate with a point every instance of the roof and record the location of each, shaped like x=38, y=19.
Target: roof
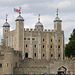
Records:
x=19, y=18
x=6, y=24
x=57, y=19
x=39, y=24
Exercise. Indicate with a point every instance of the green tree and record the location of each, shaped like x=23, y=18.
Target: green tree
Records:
x=70, y=47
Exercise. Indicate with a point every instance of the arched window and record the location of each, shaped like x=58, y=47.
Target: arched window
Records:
x=51, y=46
x=58, y=46
x=26, y=55
x=34, y=46
x=59, y=40
x=43, y=55
x=35, y=54
x=51, y=40
x=26, y=45
x=59, y=55
x=43, y=46
x=43, y=40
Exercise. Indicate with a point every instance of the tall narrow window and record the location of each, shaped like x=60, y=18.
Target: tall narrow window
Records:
x=58, y=46
x=43, y=40
x=59, y=55
x=34, y=46
x=59, y=40
x=35, y=54
x=26, y=55
x=43, y=55
x=51, y=46
x=43, y=46
x=26, y=45
x=51, y=40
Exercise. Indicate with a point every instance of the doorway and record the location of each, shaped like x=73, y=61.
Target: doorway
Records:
x=62, y=70
x=26, y=55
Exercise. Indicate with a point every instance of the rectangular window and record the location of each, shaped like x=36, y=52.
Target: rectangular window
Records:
x=0, y=65
x=33, y=38
x=24, y=38
x=28, y=39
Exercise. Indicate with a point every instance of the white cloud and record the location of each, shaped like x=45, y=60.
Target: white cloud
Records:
x=64, y=4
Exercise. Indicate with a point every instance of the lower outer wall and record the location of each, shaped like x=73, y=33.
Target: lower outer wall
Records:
x=43, y=66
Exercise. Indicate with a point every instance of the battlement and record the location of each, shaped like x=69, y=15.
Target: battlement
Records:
x=34, y=30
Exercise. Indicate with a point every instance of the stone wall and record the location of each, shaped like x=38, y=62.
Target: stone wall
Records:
x=29, y=66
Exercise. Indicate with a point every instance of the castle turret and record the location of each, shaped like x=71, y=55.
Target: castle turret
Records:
x=6, y=27
x=39, y=25
x=20, y=34
x=57, y=22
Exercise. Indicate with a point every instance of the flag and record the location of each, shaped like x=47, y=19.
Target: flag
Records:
x=16, y=10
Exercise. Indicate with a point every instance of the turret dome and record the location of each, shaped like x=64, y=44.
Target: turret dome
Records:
x=6, y=24
x=39, y=24
x=19, y=18
x=57, y=19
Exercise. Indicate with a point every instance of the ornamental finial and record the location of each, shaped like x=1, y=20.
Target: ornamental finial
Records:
x=38, y=17
x=6, y=17
x=57, y=11
x=20, y=10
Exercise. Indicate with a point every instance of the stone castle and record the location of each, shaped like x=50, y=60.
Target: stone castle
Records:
x=38, y=51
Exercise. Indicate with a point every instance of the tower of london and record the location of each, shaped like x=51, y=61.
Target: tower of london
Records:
x=34, y=51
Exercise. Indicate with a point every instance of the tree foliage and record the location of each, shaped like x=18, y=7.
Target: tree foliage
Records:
x=70, y=47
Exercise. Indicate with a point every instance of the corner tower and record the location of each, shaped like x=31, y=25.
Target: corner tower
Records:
x=6, y=27
x=20, y=34
x=57, y=22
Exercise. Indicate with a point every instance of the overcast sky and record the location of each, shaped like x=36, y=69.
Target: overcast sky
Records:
x=46, y=8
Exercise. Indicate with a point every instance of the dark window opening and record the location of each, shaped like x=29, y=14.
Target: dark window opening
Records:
x=59, y=55
x=43, y=46
x=59, y=40
x=35, y=54
x=51, y=40
x=51, y=55
x=0, y=65
x=26, y=45
x=34, y=46
x=26, y=55
x=51, y=46
x=43, y=55
x=58, y=46
x=24, y=38
x=43, y=40
x=33, y=38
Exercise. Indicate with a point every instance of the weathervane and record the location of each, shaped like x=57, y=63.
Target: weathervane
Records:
x=38, y=17
x=6, y=17
x=20, y=10
x=57, y=12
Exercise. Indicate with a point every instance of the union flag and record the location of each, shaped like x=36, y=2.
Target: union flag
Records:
x=16, y=10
